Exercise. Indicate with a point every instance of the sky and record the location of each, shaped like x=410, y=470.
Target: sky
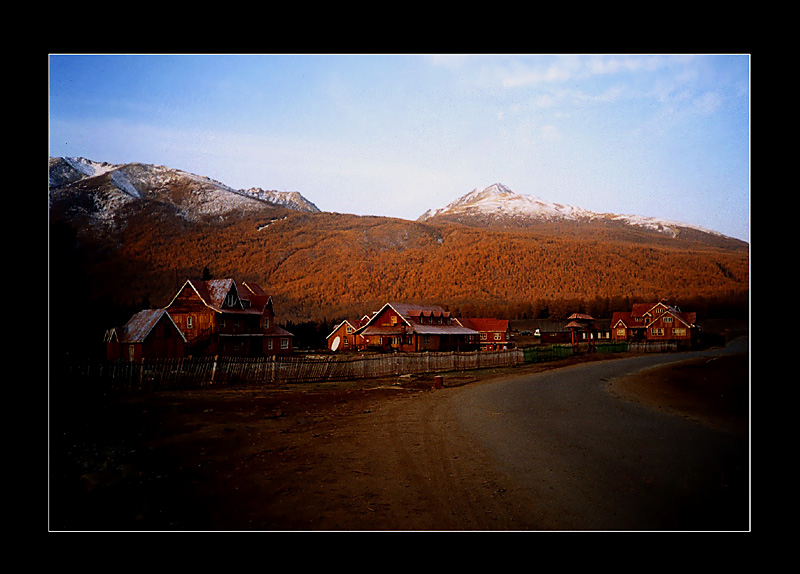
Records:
x=660, y=135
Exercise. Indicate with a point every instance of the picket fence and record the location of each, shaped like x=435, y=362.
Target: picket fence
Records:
x=197, y=372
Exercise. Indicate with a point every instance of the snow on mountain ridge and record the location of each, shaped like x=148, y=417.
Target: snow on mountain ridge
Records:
x=498, y=202
x=144, y=181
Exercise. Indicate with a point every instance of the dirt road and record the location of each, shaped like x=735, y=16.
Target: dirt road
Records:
x=375, y=456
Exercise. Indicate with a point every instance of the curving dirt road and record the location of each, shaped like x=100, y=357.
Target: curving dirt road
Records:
x=374, y=456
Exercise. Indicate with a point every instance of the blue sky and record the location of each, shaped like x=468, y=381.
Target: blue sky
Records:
x=658, y=135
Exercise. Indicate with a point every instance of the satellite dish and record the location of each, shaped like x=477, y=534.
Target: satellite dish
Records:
x=335, y=344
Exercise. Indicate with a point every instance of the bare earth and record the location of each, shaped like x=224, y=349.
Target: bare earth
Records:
x=357, y=456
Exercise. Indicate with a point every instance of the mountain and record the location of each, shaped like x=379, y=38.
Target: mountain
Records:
x=101, y=192
x=123, y=238
x=499, y=207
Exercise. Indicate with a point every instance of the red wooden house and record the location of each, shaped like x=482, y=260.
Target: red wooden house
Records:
x=148, y=334
x=493, y=334
x=221, y=317
x=344, y=338
x=407, y=328
x=653, y=322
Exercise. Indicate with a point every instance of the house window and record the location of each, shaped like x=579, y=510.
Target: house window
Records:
x=484, y=336
x=667, y=319
x=266, y=322
x=620, y=332
x=497, y=336
x=284, y=343
x=657, y=331
x=189, y=322
x=348, y=329
x=679, y=332
x=269, y=344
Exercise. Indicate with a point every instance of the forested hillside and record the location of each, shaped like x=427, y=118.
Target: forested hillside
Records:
x=324, y=266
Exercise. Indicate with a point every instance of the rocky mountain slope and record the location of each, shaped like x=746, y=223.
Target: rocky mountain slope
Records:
x=101, y=192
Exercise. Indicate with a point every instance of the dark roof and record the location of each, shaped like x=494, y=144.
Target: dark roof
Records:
x=214, y=291
x=142, y=323
x=408, y=311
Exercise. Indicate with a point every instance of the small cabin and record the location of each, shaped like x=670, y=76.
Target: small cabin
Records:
x=148, y=334
x=344, y=337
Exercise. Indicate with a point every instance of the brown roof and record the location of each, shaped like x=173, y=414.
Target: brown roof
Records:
x=214, y=291
x=644, y=311
x=580, y=317
x=408, y=311
x=141, y=324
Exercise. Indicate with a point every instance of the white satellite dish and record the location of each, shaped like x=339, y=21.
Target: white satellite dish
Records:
x=335, y=344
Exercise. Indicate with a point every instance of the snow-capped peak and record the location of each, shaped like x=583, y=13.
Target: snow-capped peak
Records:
x=498, y=203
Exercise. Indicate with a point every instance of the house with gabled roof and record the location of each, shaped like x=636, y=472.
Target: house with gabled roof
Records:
x=222, y=317
x=148, y=334
x=653, y=322
x=344, y=337
x=406, y=327
x=493, y=334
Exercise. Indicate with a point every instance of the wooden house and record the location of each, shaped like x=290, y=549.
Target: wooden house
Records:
x=407, y=328
x=344, y=338
x=221, y=317
x=549, y=331
x=148, y=334
x=653, y=322
x=493, y=334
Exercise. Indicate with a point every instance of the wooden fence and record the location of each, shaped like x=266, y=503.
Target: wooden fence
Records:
x=197, y=372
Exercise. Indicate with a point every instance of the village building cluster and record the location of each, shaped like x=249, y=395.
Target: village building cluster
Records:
x=215, y=317
x=409, y=328
x=223, y=317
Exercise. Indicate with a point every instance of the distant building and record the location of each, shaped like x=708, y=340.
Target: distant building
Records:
x=493, y=334
x=653, y=322
x=408, y=328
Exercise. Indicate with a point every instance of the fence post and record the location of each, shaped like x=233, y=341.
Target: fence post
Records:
x=214, y=368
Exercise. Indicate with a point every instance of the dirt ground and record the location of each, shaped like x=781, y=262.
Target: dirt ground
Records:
x=384, y=455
